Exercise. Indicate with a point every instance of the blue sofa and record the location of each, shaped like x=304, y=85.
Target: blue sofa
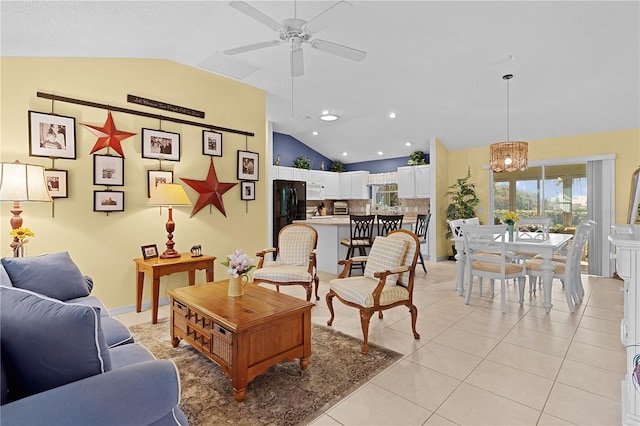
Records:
x=66, y=361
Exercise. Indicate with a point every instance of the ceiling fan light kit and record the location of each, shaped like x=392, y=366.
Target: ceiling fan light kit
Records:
x=297, y=31
x=328, y=117
x=508, y=156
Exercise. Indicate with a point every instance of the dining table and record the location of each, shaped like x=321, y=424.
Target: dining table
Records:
x=544, y=248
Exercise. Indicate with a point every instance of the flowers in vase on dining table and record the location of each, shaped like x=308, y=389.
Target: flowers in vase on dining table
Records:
x=238, y=263
x=510, y=218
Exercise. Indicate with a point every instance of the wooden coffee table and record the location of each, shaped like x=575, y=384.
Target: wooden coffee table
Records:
x=244, y=335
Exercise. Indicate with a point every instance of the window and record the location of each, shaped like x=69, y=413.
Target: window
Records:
x=385, y=195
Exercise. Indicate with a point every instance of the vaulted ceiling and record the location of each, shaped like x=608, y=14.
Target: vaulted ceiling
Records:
x=437, y=64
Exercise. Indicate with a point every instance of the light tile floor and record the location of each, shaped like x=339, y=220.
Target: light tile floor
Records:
x=474, y=365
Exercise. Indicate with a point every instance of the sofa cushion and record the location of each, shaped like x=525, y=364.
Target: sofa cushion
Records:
x=386, y=254
x=115, y=332
x=47, y=343
x=54, y=275
x=5, y=280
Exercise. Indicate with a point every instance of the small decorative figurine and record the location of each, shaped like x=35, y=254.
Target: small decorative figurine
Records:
x=277, y=162
x=322, y=166
x=196, y=251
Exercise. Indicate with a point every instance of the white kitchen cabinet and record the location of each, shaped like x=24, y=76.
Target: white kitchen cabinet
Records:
x=315, y=184
x=353, y=185
x=414, y=182
x=331, y=185
x=626, y=239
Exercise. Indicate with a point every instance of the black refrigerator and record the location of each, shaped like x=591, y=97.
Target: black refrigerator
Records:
x=289, y=204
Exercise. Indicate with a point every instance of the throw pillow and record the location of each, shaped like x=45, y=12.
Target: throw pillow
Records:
x=386, y=253
x=47, y=343
x=54, y=275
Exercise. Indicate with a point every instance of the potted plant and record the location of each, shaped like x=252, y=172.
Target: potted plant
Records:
x=337, y=166
x=417, y=159
x=462, y=201
x=302, y=163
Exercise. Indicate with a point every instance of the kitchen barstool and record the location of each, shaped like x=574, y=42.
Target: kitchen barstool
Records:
x=360, y=231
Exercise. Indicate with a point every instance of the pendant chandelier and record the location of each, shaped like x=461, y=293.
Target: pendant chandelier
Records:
x=510, y=155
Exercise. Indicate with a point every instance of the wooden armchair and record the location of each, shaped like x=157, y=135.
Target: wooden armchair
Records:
x=295, y=262
x=387, y=281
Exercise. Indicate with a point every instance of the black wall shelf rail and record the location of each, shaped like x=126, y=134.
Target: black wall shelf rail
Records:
x=140, y=113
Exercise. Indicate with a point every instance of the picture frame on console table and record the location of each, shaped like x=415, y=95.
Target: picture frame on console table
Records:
x=108, y=201
x=155, y=178
x=247, y=191
x=211, y=143
x=52, y=135
x=108, y=170
x=160, y=145
x=57, y=183
x=149, y=252
x=248, y=165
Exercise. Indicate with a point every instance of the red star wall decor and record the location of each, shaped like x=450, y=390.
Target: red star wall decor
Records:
x=210, y=191
x=108, y=136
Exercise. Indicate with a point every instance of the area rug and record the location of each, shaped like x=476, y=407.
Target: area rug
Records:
x=284, y=394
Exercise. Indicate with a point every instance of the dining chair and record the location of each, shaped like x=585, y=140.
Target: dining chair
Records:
x=487, y=257
x=387, y=282
x=422, y=227
x=295, y=262
x=472, y=221
x=360, y=237
x=388, y=223
x=568, y=272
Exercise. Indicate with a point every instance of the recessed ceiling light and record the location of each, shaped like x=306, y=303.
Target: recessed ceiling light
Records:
x=380, y=153
x=344, y=154
x=315, y=133
x=328, y=117
x=407, y=144
x=392, y=115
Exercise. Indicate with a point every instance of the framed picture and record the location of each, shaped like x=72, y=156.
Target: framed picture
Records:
x=108, y=170
x=247, y=165
x=52, y=135
x=156, y=177
x=57, y=183
x=247, y=191
x=212, y=143
x=149, y=252
x=108, y=201
x=160, y=145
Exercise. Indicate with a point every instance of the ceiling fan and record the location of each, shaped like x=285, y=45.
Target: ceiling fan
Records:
x=296, y=31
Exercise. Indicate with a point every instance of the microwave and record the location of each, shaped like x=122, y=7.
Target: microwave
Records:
x=340, y=207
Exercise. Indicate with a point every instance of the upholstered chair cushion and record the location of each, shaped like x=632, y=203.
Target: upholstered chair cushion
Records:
x=359, y=290
x=47, y=343
x=386, y=254
x=272, y=271
x=295, y=245
x=536, y=265
x=54, y=275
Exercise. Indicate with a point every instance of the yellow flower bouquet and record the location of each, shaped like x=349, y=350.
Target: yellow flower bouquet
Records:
x=510, y=218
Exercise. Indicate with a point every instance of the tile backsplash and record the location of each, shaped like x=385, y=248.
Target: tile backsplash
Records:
x=409, y=206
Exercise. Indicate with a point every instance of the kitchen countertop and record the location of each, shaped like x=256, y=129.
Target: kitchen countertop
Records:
x=342, y=220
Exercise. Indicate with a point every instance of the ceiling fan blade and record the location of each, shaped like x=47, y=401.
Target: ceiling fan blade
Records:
x=251, y=47
x=256, y=14
x=297, y=62
x=328, y=17
x=338, y=49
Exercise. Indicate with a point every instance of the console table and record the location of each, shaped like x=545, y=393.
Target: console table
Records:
x=157, y=267
x=626, y=239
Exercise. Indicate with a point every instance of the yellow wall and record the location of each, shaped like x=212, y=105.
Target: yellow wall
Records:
x=104, y=246
x=625, y=144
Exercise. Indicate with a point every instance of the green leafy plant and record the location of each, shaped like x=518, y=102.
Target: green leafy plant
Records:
x=302, y=163
x=337, y=166
x=417, y=159
x=462, y=200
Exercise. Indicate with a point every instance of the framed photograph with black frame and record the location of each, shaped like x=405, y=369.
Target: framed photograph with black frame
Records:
x=247, y=191
x=150, y=251
x=57, y=183
x=108, y=201
x=247, y=165
x=160, y=145
x=211, y=143
x=156, y=177
x=52, y=135
x=108, y=170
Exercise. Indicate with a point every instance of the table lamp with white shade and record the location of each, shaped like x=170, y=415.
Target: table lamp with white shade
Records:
x=169, y=195
x=19, y=183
